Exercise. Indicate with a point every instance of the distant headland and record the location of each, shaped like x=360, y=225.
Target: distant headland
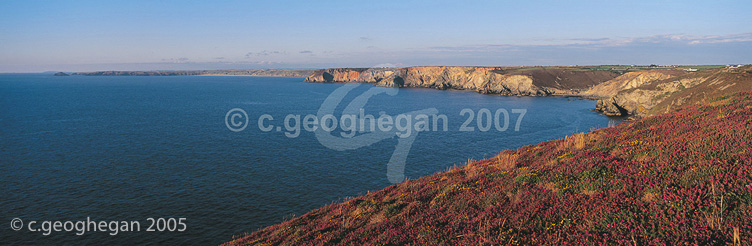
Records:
x=249, y=72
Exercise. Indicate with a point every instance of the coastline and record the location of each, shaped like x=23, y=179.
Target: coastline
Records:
x=622, y=91
x=244, y=75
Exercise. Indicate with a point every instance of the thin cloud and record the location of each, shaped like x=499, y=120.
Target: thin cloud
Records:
x=388, y=65
x=679, y=38
x=744, y=37
x=606, y=42
x=589, y=39
x=176, y=60
x=268, y=63
x=264, y=53
x=474, y=48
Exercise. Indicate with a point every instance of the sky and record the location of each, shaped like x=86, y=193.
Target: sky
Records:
x=38, y=36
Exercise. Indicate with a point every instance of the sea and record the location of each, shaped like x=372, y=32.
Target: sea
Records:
x=200, y=160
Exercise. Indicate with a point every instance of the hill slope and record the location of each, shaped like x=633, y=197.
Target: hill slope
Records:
x=630, y=80
x=663, y=94
x=678, y=178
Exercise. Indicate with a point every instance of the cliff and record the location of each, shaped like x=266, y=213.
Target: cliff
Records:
x=480, y=79
x=651, y=94
x=520, y=81
x=630, y=80
x=654, y=181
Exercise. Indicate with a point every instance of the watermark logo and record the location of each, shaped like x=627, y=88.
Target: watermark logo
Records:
x=113, y=227
x=16, y=224
x=236, y=120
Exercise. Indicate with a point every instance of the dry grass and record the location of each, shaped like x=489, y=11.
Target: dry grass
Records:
x=714, y=217
x=377, y=219
x=649, y=197
x=515, y=197
x=552, y=162
x=575, y=141
x=549, y=186
x=589, y=192
x=473, y=168
x=578, y=140
x=505, y=161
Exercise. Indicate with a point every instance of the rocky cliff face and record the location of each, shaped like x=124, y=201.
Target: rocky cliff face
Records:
x=366, y=75
x=650, y=94
x=630, y=80
x=636, y=102
x=536, y=81
x=480, y=79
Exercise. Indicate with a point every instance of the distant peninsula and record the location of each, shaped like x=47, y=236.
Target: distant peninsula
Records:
x=250, y=72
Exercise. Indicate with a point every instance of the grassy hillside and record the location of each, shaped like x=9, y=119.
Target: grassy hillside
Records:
x=678, y=178
x=638, y=95
x=719, y=84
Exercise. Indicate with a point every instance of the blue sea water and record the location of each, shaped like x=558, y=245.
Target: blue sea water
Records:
x=132, y=148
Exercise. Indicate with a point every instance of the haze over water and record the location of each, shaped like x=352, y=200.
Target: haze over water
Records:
x=131, y=148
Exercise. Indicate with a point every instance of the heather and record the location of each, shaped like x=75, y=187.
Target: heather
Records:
x=678, y=178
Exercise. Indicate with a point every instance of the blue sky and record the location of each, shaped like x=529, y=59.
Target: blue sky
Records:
x=144, y=35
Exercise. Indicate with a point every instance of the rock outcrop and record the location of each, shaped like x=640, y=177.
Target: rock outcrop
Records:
x=365, y=75
x=630, y=80
x=480, y=79
x=612, y=105
x=533, y=81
